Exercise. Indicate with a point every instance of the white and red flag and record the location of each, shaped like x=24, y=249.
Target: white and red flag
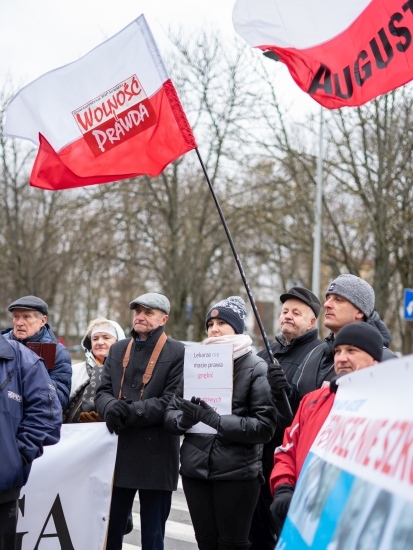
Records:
x=340, y=52
x=111, y=115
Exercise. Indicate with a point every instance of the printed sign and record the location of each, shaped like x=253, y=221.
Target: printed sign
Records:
x=115, y=116
x=356, y=487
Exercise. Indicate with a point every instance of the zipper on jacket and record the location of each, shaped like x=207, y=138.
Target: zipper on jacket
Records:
x=50, y=405
x=8, y=379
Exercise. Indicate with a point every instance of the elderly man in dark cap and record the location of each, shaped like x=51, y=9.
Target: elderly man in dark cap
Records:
x=298, y=336
x=140, y=376
x=30, y=327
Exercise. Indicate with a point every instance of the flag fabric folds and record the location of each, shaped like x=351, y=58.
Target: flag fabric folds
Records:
x=111, y=115
x=341, y=53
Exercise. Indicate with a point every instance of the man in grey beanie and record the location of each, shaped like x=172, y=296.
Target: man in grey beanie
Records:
x=139, y=377
x=349, y=299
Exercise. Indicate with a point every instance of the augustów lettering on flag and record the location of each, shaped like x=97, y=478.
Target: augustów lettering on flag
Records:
x=111, y=115
x=341, y=53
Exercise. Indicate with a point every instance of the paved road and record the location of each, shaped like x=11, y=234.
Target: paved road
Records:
x=179, y=530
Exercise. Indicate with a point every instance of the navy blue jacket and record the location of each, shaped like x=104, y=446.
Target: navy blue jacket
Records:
x=30, y=415
x=61, y=375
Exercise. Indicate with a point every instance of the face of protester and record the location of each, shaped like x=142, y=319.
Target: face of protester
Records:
x=145, y=320
x=101, y=342
x=348, y=358
x=296, y=318
x=27, y=323
x=340, y=312
x=218, y=327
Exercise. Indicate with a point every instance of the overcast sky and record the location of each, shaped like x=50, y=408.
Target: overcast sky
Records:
x=39, y=35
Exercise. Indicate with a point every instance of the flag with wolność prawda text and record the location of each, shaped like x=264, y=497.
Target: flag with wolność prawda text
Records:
x=339, y=52
x=111, y=115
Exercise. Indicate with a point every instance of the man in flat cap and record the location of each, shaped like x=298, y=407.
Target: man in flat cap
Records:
x=297, y=337
x=140, y=376
x=29, y=315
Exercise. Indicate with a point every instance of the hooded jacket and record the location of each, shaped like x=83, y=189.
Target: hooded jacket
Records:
x=30, y=415
x=62, y=372
x=82, y=392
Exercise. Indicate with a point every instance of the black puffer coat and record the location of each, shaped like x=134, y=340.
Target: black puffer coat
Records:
x=234, y=453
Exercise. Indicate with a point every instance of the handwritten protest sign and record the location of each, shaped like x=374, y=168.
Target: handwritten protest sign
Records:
x=208, y=374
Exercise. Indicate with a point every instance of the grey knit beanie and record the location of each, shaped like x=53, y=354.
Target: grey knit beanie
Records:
x=355, y=290
x=231, y=310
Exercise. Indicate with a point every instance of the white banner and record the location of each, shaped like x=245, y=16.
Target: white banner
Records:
x=66, y=501
x=356, y=487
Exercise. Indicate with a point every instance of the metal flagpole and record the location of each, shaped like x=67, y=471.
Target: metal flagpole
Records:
x=247, y=288
x=318, y=213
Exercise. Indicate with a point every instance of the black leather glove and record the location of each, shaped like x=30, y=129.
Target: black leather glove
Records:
x=208, y=415
x=117, y=416
x=185, y=422
x=280, y=505
x=277, y=379
x=189, y=409
x=124, y=408
x=113, y=422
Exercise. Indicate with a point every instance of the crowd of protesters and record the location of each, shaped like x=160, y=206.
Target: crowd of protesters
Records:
x=239, y=476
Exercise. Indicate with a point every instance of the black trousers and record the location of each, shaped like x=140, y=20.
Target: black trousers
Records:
x=154, y=511
x=8, y=525
x=221, y=510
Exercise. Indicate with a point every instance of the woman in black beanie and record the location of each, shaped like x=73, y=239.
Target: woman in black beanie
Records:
x=222, y=472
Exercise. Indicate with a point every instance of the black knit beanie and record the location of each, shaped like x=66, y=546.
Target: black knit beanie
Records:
x=231, y=310
x=362, y=336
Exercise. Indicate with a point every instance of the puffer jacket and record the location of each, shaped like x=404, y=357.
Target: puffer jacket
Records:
x=234, y=453
x=61, y=375
x=30, y=415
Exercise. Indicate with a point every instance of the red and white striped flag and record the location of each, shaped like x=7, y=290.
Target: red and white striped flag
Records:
x=111, y=115
x=340, y=52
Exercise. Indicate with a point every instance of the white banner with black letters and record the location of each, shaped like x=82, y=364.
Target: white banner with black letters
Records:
x=66, y=501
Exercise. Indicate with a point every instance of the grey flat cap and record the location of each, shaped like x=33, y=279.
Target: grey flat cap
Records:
x=30, y=302
x=152, y=300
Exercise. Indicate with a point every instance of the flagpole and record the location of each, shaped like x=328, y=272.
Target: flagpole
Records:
x=318, y=212
x=244, y=279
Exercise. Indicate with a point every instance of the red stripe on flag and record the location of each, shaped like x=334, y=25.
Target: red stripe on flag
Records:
x=373, y=56
x=147, y=153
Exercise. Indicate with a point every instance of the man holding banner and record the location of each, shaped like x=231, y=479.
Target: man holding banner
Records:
x=356, y=347
x=140, y=376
